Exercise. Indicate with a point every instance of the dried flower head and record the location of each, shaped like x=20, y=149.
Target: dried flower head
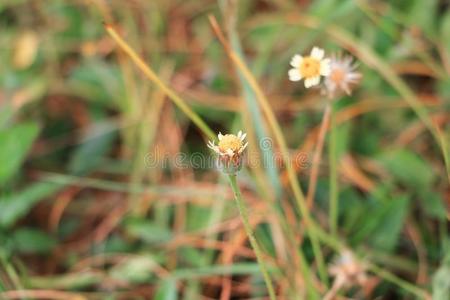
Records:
x=309, y=68
x=348, y=270
x=230, y=149
x=343, y=76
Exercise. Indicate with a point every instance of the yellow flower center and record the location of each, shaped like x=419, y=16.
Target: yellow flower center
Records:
x=310, y=67
x=337, y=75
x=230, y=141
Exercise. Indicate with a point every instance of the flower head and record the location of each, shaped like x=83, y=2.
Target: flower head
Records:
x=309, y=67
x=230, y=149
x=342, y=76
x=348, y=270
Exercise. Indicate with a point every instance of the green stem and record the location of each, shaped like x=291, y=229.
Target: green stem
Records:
x=407, y=286
x=250, y=234
x=278, y=134
x=334, y=205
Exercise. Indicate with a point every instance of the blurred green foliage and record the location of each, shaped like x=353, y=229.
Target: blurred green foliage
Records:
x=72, y=104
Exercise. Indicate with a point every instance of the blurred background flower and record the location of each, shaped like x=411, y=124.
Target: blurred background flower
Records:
x=343, y=76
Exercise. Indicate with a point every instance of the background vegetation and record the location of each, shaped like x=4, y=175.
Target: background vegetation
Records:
x=83, y=215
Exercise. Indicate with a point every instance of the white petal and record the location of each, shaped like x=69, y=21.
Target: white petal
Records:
x=294, y=75
x=230, y=152
x=325, y=68
x=347, y=61
x=309, y=82
x=315, y=80
x=239, y=134
x=330, y=87
x=346, y=88
x=220, y=136
x=296, y=60
x=354, y=77
x=214, y=148
x=243, y=136
x=317, y=53
x=243, y=148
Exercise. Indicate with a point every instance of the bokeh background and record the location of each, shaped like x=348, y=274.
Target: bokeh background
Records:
x=85, y=213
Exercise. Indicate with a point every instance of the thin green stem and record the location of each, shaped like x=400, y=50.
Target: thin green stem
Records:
x=250, y=234
x=278, y=134
x=229, y=10
x=150, y=74
x=10, y=271
x=407, y=286
x=446, y=153
x=317, y=156
x=332, y=151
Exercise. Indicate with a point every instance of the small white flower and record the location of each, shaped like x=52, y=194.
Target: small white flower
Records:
x=229, y=144
x=342, y=76
x=309, y=68
x=229, y=148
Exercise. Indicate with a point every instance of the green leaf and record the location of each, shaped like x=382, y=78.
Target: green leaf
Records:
x=17, y=205
x=445, y=29
x=167, y=290
x=96, y=144
x=76, y=280
x=191, y=290
x=135, y=269
x=441, y=281
x=192, y=256
x=197, y=217
x=6, y=112
x=433, y=204
x=408, y=168
x=423, y=15
x=29, y=240
x=381, y=221
x=351, y=208
x=263, y=235
x=15, y=143
x=99, y=82
x=148, y=231
x=390, y=223
x=214, y=270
